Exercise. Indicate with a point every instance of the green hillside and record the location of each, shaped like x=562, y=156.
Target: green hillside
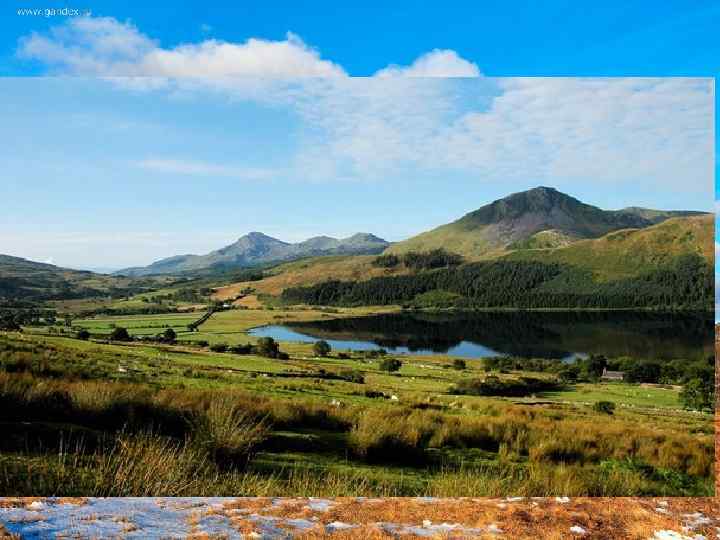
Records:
x=21, y=279
x=538, y=218
x=630, y=252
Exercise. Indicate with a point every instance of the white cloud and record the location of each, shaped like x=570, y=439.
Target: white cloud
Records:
x=106, y=47
x=648, y=132
x=436, y=63
x=204, y=168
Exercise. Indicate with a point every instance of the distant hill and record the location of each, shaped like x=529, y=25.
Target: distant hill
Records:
x=256, y=249
x=542, y=217
x=21, y=279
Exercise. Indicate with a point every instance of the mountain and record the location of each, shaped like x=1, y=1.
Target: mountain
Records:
x=542, y=217
x=257, y=248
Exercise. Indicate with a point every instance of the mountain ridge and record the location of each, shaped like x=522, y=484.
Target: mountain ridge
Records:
x=498, y=226
x=257, y=248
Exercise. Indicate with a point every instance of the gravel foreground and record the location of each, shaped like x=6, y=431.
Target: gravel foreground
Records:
x=366, y=518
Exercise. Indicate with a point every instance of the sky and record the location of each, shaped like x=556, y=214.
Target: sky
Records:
x=135, y=132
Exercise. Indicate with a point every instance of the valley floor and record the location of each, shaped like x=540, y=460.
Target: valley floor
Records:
x=84, y=413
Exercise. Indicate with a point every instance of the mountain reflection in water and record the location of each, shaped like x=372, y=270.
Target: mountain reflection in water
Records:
x=525, y=334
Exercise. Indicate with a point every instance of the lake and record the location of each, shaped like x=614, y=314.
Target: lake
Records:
x=564, y=335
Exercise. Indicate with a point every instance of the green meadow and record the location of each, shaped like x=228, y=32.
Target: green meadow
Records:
x=84, y=412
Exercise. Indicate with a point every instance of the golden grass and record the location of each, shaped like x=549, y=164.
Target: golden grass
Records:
x=309, y=272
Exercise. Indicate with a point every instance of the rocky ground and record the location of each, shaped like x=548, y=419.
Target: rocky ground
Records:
x=313, y=518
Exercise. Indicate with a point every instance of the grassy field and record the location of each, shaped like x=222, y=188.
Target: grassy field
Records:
x=317, y=425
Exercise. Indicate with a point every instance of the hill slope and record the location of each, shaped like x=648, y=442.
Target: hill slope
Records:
x=21, y=279
x=513, y=221
x=257, y=248
x=630, y=252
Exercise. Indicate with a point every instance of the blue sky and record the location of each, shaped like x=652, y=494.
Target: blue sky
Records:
x=125, y=171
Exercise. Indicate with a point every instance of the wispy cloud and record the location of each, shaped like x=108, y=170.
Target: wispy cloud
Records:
x=648, y=132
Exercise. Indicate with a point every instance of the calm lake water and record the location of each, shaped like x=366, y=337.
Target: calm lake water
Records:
x=565, y=335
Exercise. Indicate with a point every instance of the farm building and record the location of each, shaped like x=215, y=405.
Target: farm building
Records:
x=612, y=375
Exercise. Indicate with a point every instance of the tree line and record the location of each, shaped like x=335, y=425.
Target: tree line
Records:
x=686, y=284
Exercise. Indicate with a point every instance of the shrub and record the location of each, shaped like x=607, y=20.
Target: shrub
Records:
x=494, y=386
x=268, y=347
x=390, y=364
x=83, y=334
x=120, y=334
x=386, y=261
x=352, y=375
x=321, y=348
x=219, y=347
x=607, y=407
x=459, y=364
x=698, y=394
x=241, y=349
x=228, y=433
x=202, y=343
x=169, y=336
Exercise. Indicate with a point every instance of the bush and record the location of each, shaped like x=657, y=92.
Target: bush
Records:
x=202, y=343
x=268, y=347
x=241, y=349
x=169, y=336
x=219, y=347
x=607, y=407
x=698, y=394
x=83, y=334
x=321, y=348
x=352, y=375
x=120, y=334
x=227, y=433
x=459, y=364
x=390, y=364
x=494, y=386
x=386, y=261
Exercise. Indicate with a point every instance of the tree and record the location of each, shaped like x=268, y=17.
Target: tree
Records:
x=698, y=394
x=569, y=374
x=120, y=334
x=169, y=335
x=268, y=347
x=459, y=364
x=219, y=347
x=321, y=348
x=390, y=364
x=595, y=366
x=83, y=334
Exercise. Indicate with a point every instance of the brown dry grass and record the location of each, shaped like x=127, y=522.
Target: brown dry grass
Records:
x=602, y=518
x=310, y=272
x=628, y=518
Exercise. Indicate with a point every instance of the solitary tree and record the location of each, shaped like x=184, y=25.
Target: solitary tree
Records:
x=459, y=364
x=120, y=334
x=390, y=364
x=169, y=335
x=268, y=347
x=83, y=334
x=321, y=348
